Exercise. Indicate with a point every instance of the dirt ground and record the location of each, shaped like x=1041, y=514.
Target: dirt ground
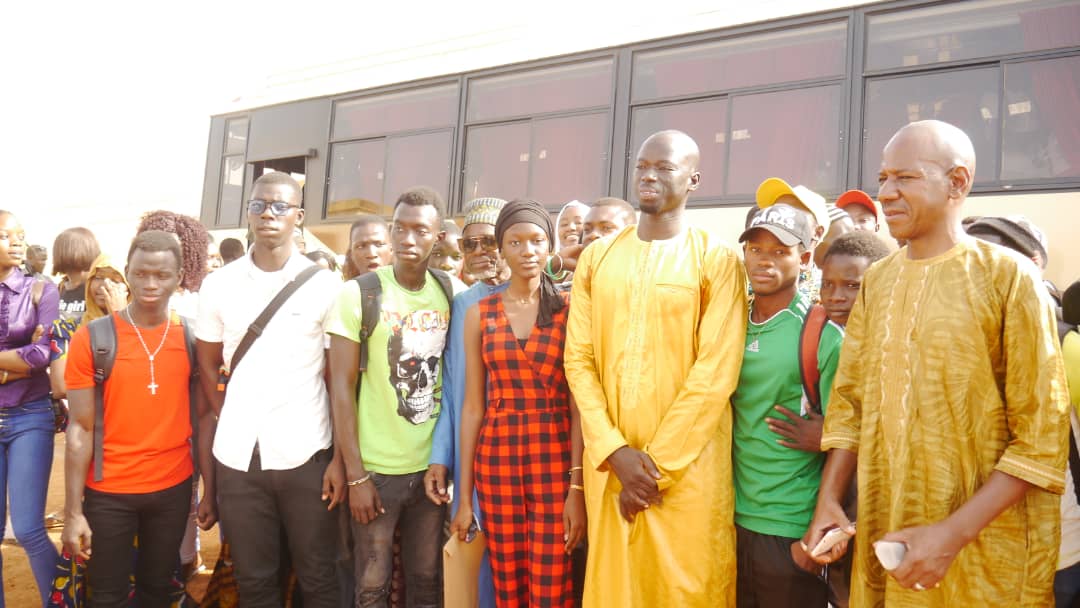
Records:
x=19, y=588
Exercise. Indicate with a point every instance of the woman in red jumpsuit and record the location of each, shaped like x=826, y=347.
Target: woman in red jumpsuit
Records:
x=520, y=426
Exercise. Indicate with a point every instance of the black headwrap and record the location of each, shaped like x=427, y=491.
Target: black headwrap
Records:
x=529, y=211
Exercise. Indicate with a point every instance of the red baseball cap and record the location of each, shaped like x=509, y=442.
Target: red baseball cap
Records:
x=857, y=197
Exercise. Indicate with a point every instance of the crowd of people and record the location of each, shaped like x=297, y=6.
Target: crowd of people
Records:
x=621, y=410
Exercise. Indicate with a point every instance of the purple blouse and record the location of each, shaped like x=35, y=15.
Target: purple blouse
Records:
x=18, y=319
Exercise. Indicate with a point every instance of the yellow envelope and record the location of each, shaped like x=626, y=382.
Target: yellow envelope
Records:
x=461, y=569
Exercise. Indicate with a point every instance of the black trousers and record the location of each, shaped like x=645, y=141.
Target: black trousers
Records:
x=159, y=519
x=254, y=505
x=768, y=577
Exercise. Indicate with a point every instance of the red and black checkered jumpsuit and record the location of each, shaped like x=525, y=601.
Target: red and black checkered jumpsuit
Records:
x=523, y=459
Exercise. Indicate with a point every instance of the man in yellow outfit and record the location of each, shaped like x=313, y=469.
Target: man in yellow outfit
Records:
x=950, y=399
x=654, y=344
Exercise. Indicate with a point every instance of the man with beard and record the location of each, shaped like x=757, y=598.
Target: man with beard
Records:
x=385, y=433
x=486, y=264
x=654, y=346
x=482, y=260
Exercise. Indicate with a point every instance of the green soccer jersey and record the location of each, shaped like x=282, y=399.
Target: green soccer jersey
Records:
x=401, y=390
x=775, y=486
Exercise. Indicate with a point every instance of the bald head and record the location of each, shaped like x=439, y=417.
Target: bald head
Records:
x=927, y=171
x=940, y=143
x=666, y=172
x=683, y=147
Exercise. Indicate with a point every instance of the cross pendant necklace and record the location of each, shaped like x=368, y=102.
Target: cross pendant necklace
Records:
x=153, y=386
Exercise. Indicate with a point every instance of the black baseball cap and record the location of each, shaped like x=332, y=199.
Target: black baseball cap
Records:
x=790, y=225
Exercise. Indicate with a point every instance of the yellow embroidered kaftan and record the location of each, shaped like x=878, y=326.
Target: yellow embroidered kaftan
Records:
x=950, y=370
x=653, y=350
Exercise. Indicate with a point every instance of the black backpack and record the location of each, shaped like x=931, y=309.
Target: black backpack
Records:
x=103, y=347
x=371, y=305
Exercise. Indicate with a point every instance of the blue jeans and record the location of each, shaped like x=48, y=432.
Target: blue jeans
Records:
x=26, y=452
x=404, y=502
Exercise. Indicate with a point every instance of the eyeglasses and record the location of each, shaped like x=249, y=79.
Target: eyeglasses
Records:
x=470, y=244
x=278, y=208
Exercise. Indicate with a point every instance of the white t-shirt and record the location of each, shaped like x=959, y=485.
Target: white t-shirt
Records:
x=1069, y=553
x=277, y=395
x=185, y=303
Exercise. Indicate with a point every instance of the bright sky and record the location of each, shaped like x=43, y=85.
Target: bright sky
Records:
x=107, y=104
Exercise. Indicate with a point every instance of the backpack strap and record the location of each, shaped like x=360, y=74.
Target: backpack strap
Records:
x=809, y=338
x=103, y=348
x=370, y=305
x=193, y=387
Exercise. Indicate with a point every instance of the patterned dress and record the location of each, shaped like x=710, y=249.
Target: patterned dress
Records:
x=523, y=459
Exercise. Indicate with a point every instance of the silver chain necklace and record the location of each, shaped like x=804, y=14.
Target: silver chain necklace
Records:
x=153, y=386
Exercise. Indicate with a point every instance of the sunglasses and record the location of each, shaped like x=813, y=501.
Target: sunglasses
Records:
x=470, y=244
x=278, y=208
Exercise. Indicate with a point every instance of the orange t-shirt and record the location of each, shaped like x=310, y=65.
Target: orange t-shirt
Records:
x=146, y=445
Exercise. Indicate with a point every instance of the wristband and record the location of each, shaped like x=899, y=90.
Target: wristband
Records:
x=360, y=481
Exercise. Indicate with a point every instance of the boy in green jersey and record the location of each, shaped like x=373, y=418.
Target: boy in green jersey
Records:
x=775, y=485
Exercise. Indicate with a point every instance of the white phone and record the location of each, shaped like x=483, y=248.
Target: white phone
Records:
x=890, y=553
x=832, y=538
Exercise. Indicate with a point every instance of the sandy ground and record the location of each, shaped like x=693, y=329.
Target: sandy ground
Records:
x=19, y=588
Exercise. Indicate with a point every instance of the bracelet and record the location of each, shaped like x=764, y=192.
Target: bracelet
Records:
x=553, y=271
x=575, y=486
x=3, y=379
x=572, y=469
x=360, y=481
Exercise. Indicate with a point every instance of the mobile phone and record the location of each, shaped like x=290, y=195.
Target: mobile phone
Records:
x=890, y=553
x=474, y=529
x=833, y=537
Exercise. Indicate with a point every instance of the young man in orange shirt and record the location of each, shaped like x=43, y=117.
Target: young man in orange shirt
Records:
x=143, y=485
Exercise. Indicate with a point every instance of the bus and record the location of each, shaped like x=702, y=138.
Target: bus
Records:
x=809, y=91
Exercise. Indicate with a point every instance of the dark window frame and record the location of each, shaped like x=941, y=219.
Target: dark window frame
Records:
x=418, y=85
x=732, y=94
x=386, y=138
x=853, y=84
x=865, y=77
x=220, y=222
x=531, y=122
x=898, y=6
x=458, y=193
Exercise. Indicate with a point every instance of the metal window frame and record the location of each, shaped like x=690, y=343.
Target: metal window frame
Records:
x=862, y=77
x=845, y=16
x=386, y=138
x=995, y=185
x=219, y=222
x=620, y=108
x=367, y=94
x=457, y=194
